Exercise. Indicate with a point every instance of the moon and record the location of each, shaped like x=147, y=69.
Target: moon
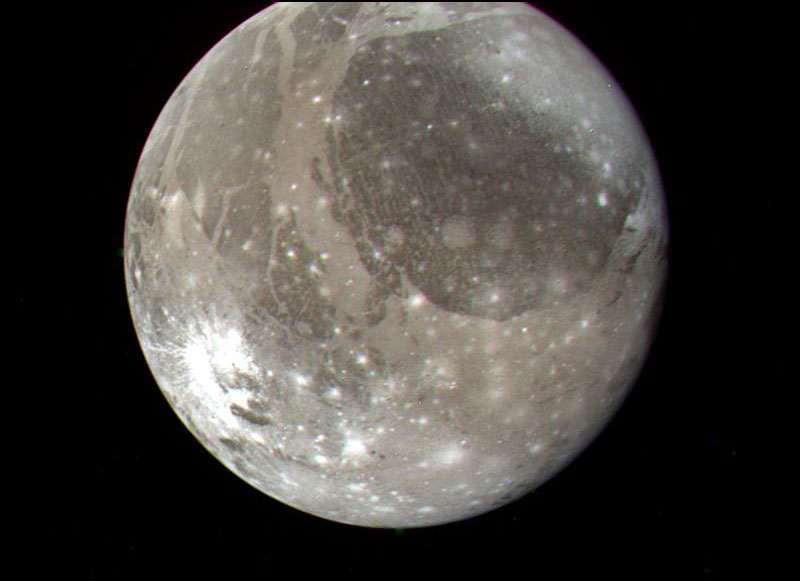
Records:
x=396, y=264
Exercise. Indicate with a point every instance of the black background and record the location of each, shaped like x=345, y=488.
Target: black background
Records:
x=116, y=487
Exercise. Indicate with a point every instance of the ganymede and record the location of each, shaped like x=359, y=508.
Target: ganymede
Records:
x=396, y=264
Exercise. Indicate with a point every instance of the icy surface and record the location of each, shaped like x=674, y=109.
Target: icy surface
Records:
x=396, y=265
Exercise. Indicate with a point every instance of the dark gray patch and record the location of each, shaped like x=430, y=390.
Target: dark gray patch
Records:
x=318, y=27
x=630, y=262
x=232, y=444
x=397, y=19
x=388, y=171
x=250, y=416
x=614, y=299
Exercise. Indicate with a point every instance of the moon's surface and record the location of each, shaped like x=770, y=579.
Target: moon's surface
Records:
x=396, y=264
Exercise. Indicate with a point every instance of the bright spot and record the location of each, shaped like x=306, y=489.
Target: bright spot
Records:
x=451, y=455
x=354, y=447
x=416, y=300
x=227, y=352
x=301, y=380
